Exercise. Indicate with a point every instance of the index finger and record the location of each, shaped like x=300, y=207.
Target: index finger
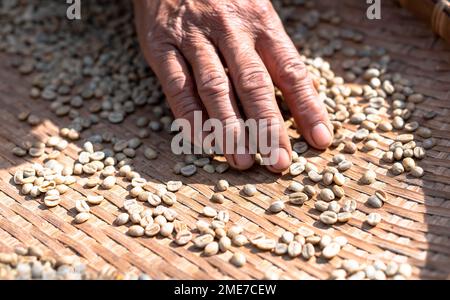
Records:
x=292, y=77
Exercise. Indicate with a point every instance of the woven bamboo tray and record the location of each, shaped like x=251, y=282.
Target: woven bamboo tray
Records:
x=416, y=218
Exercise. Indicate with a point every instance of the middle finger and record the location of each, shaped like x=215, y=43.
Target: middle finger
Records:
x=256, y=92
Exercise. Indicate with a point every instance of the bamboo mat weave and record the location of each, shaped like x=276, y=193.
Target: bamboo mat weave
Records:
x=416, y=216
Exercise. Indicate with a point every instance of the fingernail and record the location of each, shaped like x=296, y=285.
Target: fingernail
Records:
x=321, y=135
x=243, y=161
x=281, y=159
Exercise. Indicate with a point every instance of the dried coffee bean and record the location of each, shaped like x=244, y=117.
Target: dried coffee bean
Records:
x=217, y=198
x=296, y=169
x=276, y=206
x=321, y=205
x=222, y=185
x=249, y=190
x=82, y=217
x=397, y=169
x=308, y=251
x=331, y=250
x=122, y=219
x=327, y=195
x=298, y=198
x=368, y=177
x=238, y=259
x=373, y=219
x=328, y=217
x=294, y=249
x=417, y=171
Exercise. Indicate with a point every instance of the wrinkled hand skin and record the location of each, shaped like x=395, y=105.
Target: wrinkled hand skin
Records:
x=189, y=44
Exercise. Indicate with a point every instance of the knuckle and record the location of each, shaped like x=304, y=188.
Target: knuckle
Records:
x=156, y=49
x=265, y=111
x=177, y=85
x=255, y=81
x=230, y=123
x=264, y=10
x=213, y=84
x=191, y=40
x=310, y=105
x=159, y=36
x=293, y=72
x=184, y=107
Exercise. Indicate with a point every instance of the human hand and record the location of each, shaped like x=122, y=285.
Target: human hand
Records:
x=190, y=44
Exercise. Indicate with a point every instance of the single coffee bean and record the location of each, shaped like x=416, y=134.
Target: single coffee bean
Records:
x=265, y=244
x=209, y=212
x=328, y=217
x=327, y=195
x=397, y=169
x=334, y=206
x=428, y=143
x=238, y=259
x=280, y=249
x=344, y=217
x=298, y=198
x=339, y=179
x=249, y=190
x=325, y=241
x=222, y=168
x=417, y=171
x=314, y=239
x=222, y=185
x=201, y=162
x=374, y=201
x=239, y=240
x=349, y=206
x=94, y=199
x=295, y=186
x=373, y=219
x=408, y=163
x=152, y=229
x=169, y=198
x=349, y=148
x=276, y=206
x=388, y=157
x=122, y=219
x=368, y=177
x=135, y=231
x=327, y=178
x=174, y=186
x=331, y=250
x=166, y=229
x=296, y=169
x=314, y=176
x=82, y=217
x=203, y=240
x=224, y=243
x=351, y=266
x=321, y=205
x=308, y=251
x=234, y=231
x=217, y=198
x=344, y=166
x=310, y=190
x=294, y=249
x=287, y=237
x=338, y=191
x=209, y=169
x=305, y=232
x=109, y=182
x=211, y=249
